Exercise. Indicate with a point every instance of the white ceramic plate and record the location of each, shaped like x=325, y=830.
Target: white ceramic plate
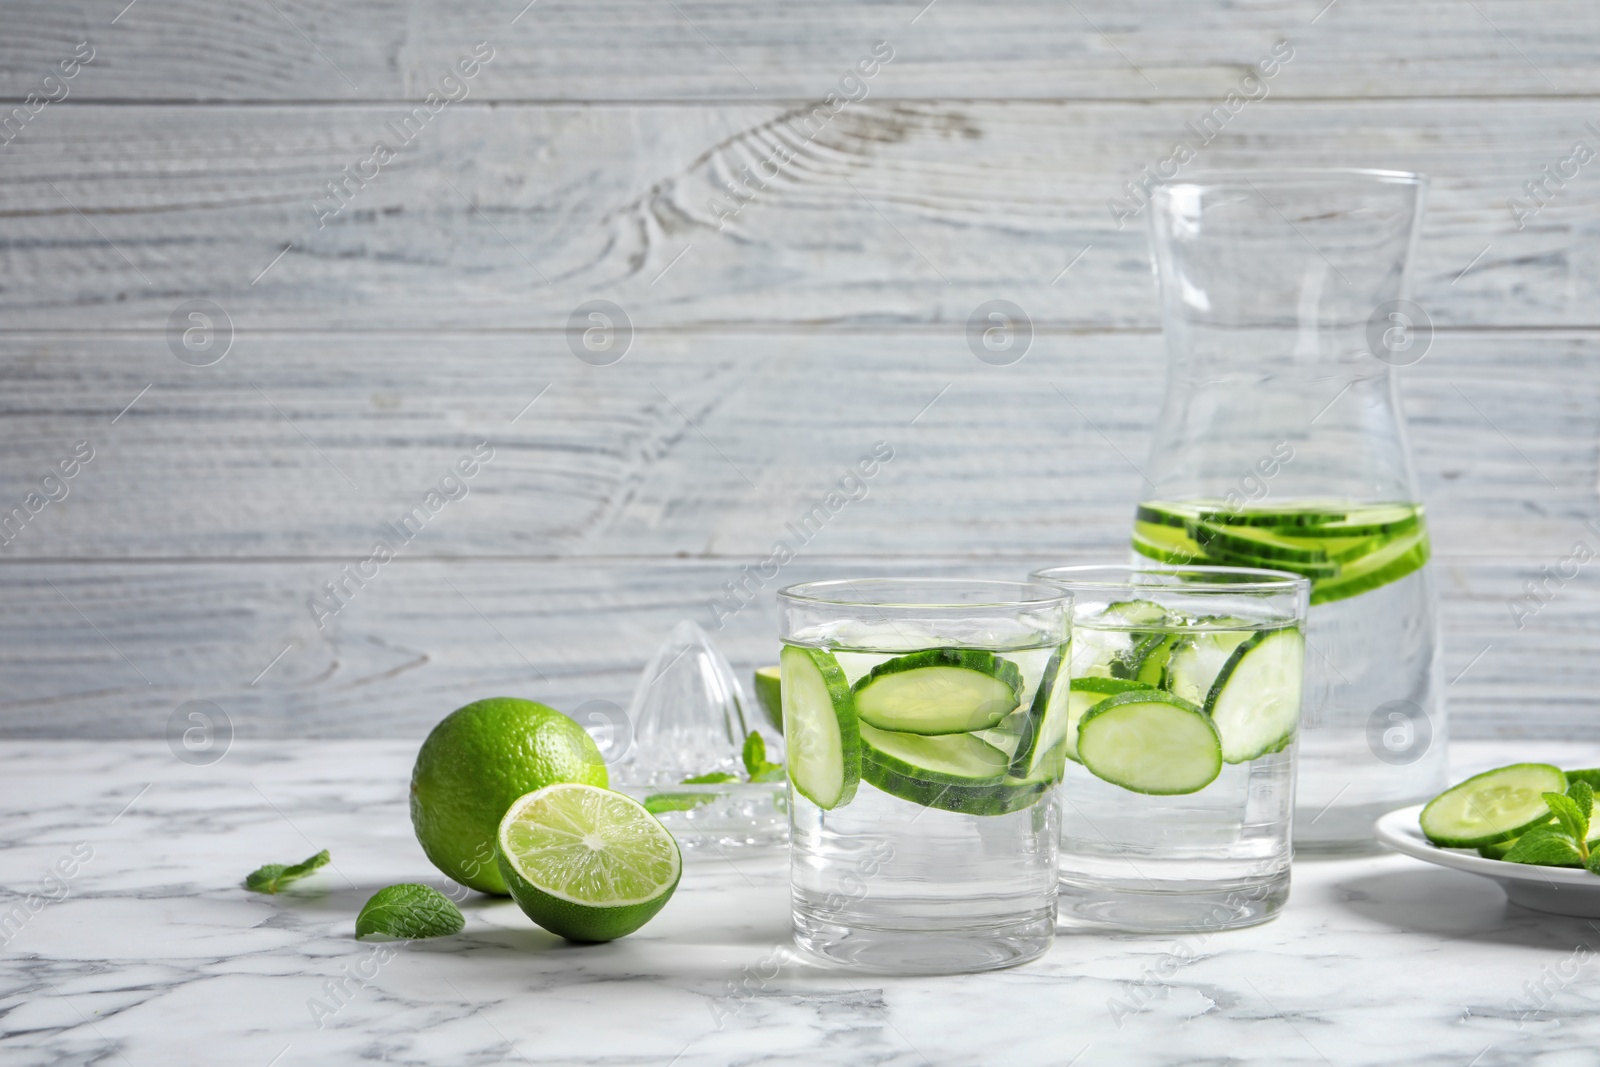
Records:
x=1558, y=890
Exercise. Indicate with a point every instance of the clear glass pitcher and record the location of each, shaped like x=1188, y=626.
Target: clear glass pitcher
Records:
x=1281, y=445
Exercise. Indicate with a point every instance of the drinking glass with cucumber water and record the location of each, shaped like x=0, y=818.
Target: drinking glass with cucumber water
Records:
x=1182, y=715
x=926, y=723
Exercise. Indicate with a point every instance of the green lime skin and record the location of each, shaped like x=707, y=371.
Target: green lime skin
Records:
x=576, y=922
x=769, y=694
x=475, y=763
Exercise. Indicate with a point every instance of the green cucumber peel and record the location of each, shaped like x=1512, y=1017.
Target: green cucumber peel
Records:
x=821, y=727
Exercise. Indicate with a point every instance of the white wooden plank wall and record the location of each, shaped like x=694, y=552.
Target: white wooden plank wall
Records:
x=373, y=347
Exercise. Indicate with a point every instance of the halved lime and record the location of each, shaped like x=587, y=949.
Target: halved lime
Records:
x=769, y=693
x=587, y=863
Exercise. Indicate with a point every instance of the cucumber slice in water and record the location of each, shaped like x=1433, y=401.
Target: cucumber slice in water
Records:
x=1134, y=613
x=1085, y=694
x=951, y=772
x=1150, y=742
x=1194, y=665
x=1491, y=807
x=1045, y=728
x=946, y=759
x=939, y=691
x=821, y=732
x=1255, y=701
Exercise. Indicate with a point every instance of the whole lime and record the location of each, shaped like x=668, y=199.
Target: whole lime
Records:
x=475, y=763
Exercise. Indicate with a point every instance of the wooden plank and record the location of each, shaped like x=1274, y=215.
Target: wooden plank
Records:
x=895, y=214
x=697, y=50
x=112, y=649
x=307, y=445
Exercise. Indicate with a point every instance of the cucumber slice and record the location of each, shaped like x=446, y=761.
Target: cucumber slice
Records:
x=1491, y=807
x=1496, y=851
x=1135, y=613
x=951, y=772
x=1085, y=694
x=939, y=691
x=1255, y=700
x=1257, y=541
x=821, y=732
x=1194, y=665
x=1152, y=666
x=946, y=759
x=1045, y=728
x=1283, y=521
x=1003, y=799
x=1150, y=742
x=1126, y=663
x=1590, y=777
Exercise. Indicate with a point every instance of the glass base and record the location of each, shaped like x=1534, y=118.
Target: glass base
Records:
x=926, y=950
x=1184, y=908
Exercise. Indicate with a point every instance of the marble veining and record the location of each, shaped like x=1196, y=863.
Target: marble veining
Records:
x=129, y=939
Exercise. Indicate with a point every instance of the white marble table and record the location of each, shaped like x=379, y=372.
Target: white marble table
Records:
x=155, y=955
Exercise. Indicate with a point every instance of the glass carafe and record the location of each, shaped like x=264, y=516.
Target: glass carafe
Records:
x=1281, y=444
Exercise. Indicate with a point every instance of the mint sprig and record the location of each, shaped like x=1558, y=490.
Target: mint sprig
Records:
x=1565, y=843
x=656, y=803
x=756, y=767
x=1547, y=846
x=409, y=911
x=756, y=764
x=271, y=877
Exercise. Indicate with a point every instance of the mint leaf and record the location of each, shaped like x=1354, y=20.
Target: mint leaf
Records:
x=1547, y=847
x=755, y=752
x=271, y=877
x=657, y=803
x=1574, y=821
x=714, y=778
x=1593, y=863
x=756, y=764
x=409, y=911
x=1582, y=794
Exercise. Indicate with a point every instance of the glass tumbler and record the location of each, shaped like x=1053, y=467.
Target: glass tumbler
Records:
x=924, y=720
x=1182, y=720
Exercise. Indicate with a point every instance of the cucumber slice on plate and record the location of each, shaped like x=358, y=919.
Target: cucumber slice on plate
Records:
x=1589, y=776
x=1085, y=694
x=821, y=731
x=1147, y=741
x=939, y=691
x=1255, y=700
x=1197, y=660
x=1491, y=807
